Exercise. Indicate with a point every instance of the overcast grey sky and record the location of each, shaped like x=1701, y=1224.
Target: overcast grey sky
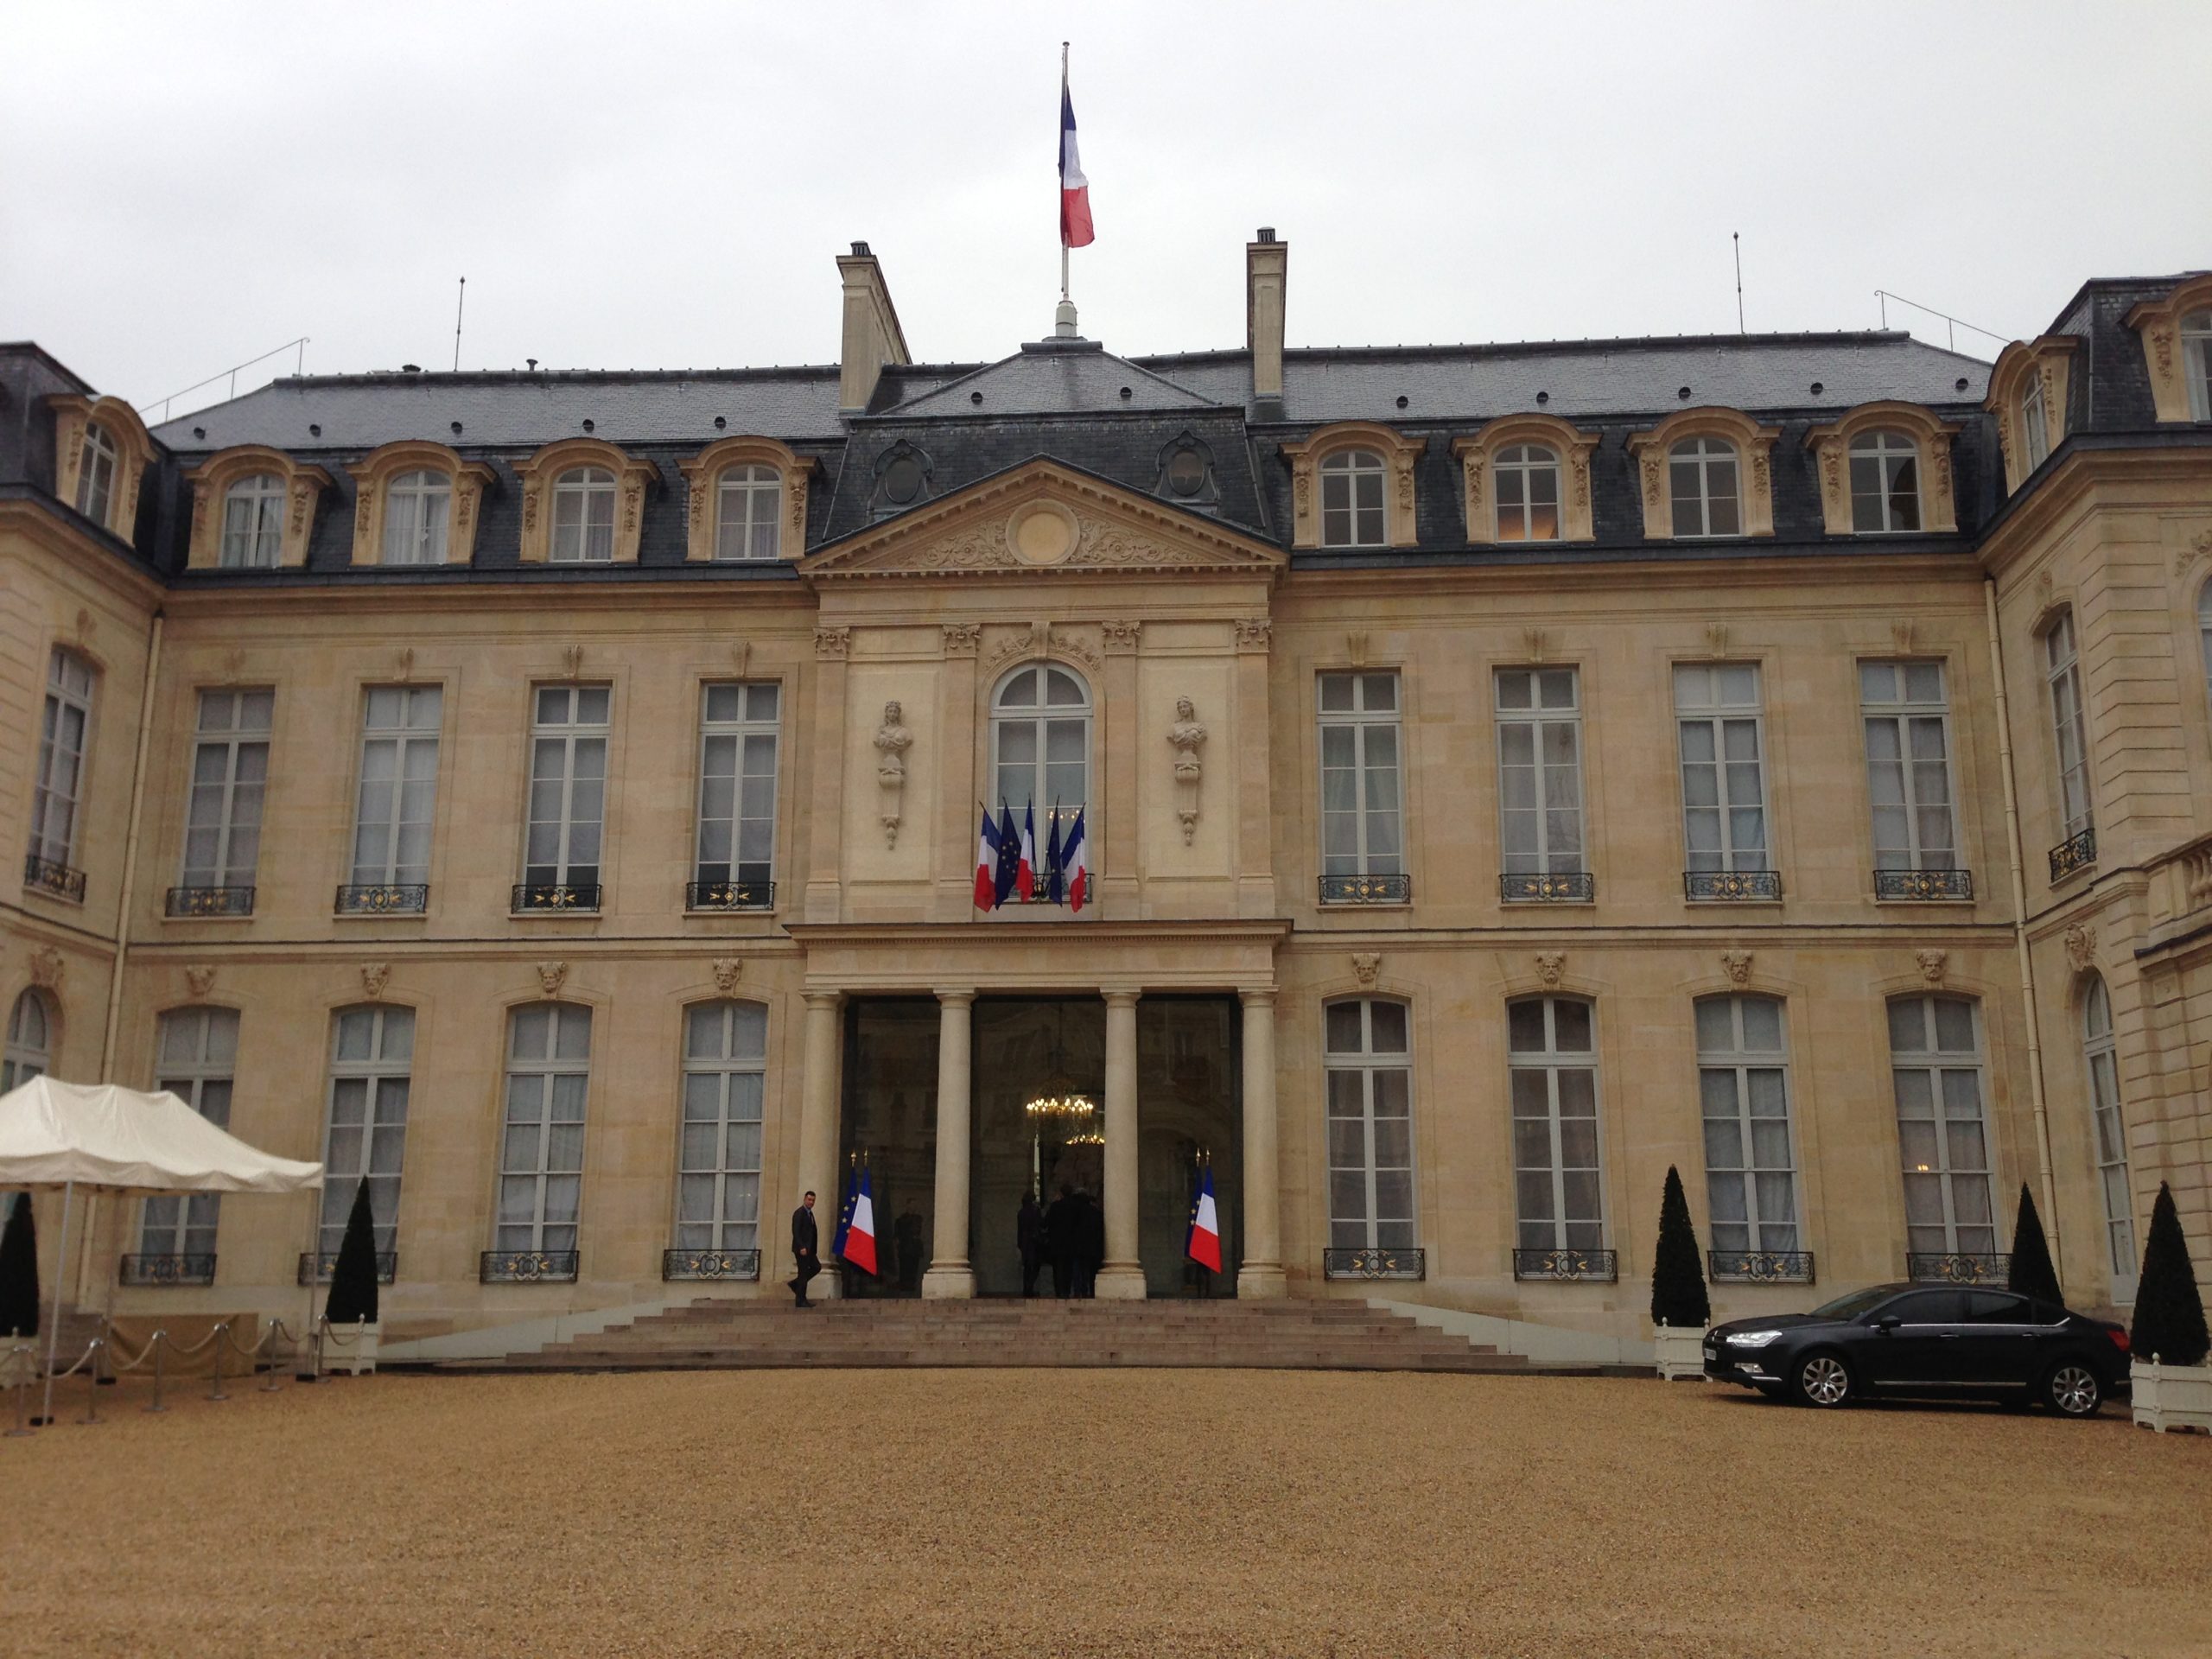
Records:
x=665, y=186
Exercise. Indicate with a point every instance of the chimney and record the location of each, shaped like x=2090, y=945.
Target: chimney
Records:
x=1267, y=270
x=873, y=337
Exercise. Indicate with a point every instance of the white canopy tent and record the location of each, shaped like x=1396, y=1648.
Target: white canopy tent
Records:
x=116, y=1140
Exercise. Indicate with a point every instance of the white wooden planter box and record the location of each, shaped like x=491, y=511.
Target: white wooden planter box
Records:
x=2170, y=1396
x=1680, y=1351
x=352, y=1348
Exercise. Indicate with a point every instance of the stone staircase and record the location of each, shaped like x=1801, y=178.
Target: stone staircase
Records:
x=1295, y=1335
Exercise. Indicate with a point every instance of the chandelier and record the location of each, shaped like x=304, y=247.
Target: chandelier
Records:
x=1071, y=1108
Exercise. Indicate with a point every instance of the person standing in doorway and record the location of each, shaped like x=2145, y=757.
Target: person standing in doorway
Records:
x=1029, y=1239
x=1061, y=1232
x=805, y=1251
x=1090, y=1245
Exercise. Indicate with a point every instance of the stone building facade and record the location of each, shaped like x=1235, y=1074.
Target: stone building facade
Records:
x=1505, y=772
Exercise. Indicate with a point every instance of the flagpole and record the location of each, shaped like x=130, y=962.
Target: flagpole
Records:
x=1063, y=229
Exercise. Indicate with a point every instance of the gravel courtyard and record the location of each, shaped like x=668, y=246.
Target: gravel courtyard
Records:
x=886, y=1513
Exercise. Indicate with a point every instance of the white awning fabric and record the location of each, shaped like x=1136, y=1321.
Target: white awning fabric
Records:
x=98, y=1135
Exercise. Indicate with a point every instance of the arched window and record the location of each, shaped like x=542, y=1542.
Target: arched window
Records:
x=30, y=1050
x=2110, y=1132
x=1528, y=492
x=253, y=523
x=1751, y=1165
x=195, y=1055
x=417, y=509
x=96, y=475
x=718, y=1169
x=1942, y=1132
x=2069, y=727
x=749, y=504
x=1352, y=500
x=1885, y=483
x=372, y=1053
x=541, y=1155
x=583, y=517
x=1040, y=744
x=2035, y=436
x=1701, y=474
x=2196, y=359
x=1551, y=1054
x=1369, y=1060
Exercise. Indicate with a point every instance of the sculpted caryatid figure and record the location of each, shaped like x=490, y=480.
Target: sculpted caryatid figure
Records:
x=1186, y=734
x=892, y=743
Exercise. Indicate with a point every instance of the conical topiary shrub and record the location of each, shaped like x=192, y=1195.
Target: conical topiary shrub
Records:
x=19, y=1271
x=1678, y=1297
x=353, y=1275
x=2169, y=1311
x=2031, y=1273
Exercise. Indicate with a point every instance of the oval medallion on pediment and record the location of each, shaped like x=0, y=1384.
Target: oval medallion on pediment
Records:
x=1041, y=533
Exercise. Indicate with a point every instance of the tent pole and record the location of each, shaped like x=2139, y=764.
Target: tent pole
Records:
x=61, y=1269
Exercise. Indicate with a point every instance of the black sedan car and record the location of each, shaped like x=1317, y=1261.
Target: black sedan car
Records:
x=1963, y=1342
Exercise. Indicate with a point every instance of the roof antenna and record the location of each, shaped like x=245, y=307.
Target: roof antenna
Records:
x=458, y=304
x=1738, y=241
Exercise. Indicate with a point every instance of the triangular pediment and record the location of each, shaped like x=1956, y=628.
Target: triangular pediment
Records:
x=1039, y=517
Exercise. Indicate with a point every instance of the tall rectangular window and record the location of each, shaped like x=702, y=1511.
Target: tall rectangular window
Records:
x=1552, y=1052
x=230, y=770
x=2069, y=727
x=1540, y=770
x=2110, y=1128
x=58, y=786
x=399, y=785
x=195, y=1054
x=1908, y=722
x=1724, y=777
x=568, y=785
x=1360, y=832
x=1935, y=1064
x=542, y=1155
x=737, y=786
x=724, y=1073
x=1750, y=1170
x=371, y=1057
x=1369, y=1066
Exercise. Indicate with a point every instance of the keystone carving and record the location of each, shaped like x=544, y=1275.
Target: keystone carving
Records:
x=727, y=971
x=2081, y=945
x=46, y=968
x=1716, y=637
x=406, y=665
x=1739, y=965
x=1367, y=967
x=893, y=740
x=550, y=975
x=374, y=975
x=1188, y=737
x=573, y=660
x=1551, y=966
x=199, y=979
x=1932, y=963
x=1533, y=641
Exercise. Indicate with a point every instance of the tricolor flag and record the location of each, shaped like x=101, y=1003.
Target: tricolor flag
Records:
x=1009, y=849
x=859, y=1244
x=1056, y=886
x=845, y=1211
x=1078, y=870
x=1203, y=1245
x=987, y=866
x=1075, y=190
x=1025, y=869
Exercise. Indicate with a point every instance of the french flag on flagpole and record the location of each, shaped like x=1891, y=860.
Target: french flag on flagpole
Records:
x=859, y=1247
x=1203, y=1245
x=1024, y=872
x=1075, y=190
x=987, y=866
x=1076, y=863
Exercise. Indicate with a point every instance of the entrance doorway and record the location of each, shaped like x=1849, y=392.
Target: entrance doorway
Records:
x=1032, y=1050
x=1188, y=1087
x=890, y=1122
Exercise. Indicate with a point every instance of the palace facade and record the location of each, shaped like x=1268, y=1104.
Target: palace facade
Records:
x=1505, y=772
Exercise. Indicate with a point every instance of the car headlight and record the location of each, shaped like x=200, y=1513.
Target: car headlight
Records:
x=1751, y=1338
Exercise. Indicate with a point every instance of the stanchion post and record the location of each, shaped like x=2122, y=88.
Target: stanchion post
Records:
x=92, y=1381
x=19, y=1385
x=222, y=1334
x=160, y=1336
x=269, y=1342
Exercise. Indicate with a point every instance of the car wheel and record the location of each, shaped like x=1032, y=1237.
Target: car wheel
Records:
x=2072, y=1389
x=1820, y=1379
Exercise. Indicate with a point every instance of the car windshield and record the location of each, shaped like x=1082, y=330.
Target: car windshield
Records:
x=1857, y=1302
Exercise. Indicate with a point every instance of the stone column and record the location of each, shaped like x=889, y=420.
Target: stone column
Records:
x=950, y=1274
x=1261, y=1275
x=817, y=1129
x=1121, y=1278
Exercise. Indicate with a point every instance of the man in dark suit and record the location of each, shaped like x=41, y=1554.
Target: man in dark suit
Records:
x=1090, y=1245
x=1060, y=1239
x=804, y=1251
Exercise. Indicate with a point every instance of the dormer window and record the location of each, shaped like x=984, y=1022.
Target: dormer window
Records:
x=1351, y=500
x=1885, y=483
x=96, y=474
x=1187, y=475
x=902, y=479
x=253, y=523
x=1706, y=495
x=2197, y=356
x=417, y=512
x=748, y=507
x=583, y=517
x=1528, y=493
x=2035, y=436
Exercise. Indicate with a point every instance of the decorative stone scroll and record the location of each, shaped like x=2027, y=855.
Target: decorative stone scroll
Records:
x=893, y=740
x=1187, y=736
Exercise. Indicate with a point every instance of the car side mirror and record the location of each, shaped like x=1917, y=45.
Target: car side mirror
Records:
x=1887, y=1324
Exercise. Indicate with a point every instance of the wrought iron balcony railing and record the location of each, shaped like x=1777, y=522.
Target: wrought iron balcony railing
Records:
x=210, y=901
x=1558, y=887
x=192, y=1268
x=1923, y=884
x=55, y=880
x=710, y=1264
x=528, y=1268
x=1957, y=1268
x=1375, y=1262
x=535, y=897
x=2075, y=853
x=320, y=1263
x=1367, y=889
x=384, y=898
x=729, y=895
x=1598, y=1266
x=1736, y=885
x=1761, y=1267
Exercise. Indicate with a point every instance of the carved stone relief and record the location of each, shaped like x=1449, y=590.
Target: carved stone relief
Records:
x=2081, y=945
x=1739, y=965
x=893, y=740
x=727, y=971
x=1932, y=965
x=374, y=975
x=1187, y=736
x=551, y=976
x=1551, y=967
x=199, y=979
x=1367, y=967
